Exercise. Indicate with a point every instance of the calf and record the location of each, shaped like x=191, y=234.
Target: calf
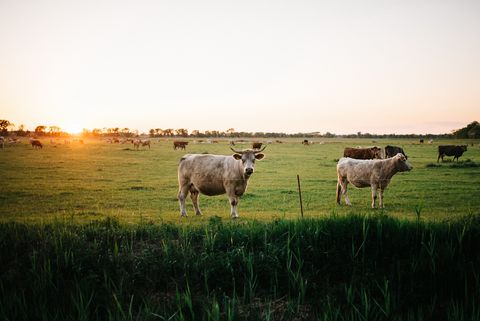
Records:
x=375, y=173
x=451, y=150
x=363, y=153
x=215, y=175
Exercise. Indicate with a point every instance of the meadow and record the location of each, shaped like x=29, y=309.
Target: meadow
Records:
x=93, y=232
x=87, y=182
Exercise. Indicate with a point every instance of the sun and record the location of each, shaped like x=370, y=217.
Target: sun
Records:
x=73, y=128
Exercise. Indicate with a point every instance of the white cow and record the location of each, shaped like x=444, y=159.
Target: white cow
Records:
x=375, y=173
x=215, y=175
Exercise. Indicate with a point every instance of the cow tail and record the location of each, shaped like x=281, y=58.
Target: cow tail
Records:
x=338, y=192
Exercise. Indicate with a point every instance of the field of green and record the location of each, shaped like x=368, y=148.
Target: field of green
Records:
x=92, y=232
x=88, y=182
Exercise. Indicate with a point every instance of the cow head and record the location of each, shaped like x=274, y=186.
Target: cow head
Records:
x=401, y=163
x=464, y=147
x=248, y=158
x=376, y=152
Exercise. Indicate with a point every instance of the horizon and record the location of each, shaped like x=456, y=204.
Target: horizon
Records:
x=269, y=66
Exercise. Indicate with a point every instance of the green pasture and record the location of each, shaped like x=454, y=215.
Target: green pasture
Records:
x=81, y=183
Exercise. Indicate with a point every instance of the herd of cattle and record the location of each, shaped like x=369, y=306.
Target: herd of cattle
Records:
x=362, y=167
x=210, y=175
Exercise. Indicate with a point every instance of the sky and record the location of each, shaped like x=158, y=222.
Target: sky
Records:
x=292, y=66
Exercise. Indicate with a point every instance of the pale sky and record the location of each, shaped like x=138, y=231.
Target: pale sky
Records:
x=283, y=66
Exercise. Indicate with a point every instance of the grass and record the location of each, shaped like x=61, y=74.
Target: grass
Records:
x=81, y=183
x=92, y=232
x=338, y=267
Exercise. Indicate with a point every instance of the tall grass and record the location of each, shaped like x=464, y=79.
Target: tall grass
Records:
x=336, y=268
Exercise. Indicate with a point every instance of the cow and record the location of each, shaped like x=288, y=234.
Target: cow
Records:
x=138, y=142
x=451, y=150
x=179, y=144
x=375, y=173
x=421, y=141
x=36, y=143
x=145, y=142
x=391, y=151
x=306, y=142
x=363, y=153
x=256, y=145
x=215, y=175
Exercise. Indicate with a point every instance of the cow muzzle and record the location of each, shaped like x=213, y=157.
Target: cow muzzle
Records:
x=248, y=171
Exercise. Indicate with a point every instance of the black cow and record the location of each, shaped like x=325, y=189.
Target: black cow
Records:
x=391, y=151
x=451, y=150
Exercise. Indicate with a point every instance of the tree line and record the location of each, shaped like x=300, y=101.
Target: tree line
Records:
x=472, y=130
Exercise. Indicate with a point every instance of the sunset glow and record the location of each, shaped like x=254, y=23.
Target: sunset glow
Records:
x=272, y=66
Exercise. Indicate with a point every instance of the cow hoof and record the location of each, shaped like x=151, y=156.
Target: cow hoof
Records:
x=199, y=214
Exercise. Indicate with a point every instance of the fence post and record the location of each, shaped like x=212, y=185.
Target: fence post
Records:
x=300, y=195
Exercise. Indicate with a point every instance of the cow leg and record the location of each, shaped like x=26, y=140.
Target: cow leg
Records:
x=194, y=196
x=343, y=185
x=233, y=204
x=380, y=197
x=374, y=195
x=182, y=195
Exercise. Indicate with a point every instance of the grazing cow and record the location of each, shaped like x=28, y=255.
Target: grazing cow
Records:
x=138, y=142
x=305, y=142
x=256, y=145
x=36, y=143
x=215, y=175
x=146, y=142
x=391, y=151
x=179, y=144
x=421, y=141
x=363, y=153
x=375, y=173
x=451, y=150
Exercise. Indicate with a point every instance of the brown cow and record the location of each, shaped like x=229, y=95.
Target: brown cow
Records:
x=363, y=153
x=179, y=144
x=256, y=145
x=36, y=143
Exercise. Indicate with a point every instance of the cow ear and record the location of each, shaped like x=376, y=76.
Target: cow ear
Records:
x=237, y=156
x=259, y=156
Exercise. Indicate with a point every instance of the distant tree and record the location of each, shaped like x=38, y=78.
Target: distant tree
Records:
x=54, y=130
x=181, y=132
x=96, y=132
x=329, y=135
x=168, y=132
x=21, y=130
x=158, y=132
x=230, y=132
x=151, y=132
x=472, y=130
x=4, y=125
x=195, y=133
x=40, y=130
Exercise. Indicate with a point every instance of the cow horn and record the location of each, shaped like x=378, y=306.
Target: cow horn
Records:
x=261, y=150
x=236, y=151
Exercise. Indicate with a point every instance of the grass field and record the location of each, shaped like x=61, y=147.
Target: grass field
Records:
x=86, y=182
x=93, y=232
